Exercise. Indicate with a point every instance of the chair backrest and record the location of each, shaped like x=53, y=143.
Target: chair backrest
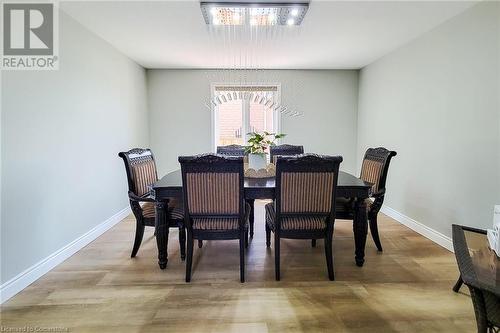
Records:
x=212, y=186
x=284, y=150
x=231, y=150
x=141, y=169
x=306, y=185
x=375, y=167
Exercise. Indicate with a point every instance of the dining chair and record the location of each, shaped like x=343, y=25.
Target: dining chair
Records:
x=373, y=170
x=231, y=150
x=284, y=150
x=214, y=205
x=141, y=172
x=237, y=150
x=304, y=207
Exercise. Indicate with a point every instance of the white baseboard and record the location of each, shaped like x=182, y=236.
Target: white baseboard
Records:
x=422, y=229
x=30, y=275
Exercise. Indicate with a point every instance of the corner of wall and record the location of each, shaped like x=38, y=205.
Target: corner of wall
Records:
x=358, y=139
x=147, y=73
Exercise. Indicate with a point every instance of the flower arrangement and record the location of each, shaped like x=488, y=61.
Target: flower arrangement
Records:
x=259, y=143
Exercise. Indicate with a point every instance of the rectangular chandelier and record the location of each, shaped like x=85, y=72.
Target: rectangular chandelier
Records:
x=253, y=14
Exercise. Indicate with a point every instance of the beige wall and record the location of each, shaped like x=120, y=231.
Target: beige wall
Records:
x=435, y=101
x=61, y=132
x=180, y=124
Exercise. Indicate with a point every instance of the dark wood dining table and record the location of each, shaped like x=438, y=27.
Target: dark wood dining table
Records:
x=349, y=186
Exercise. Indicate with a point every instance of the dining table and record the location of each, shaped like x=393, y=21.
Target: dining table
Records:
x=348, y=186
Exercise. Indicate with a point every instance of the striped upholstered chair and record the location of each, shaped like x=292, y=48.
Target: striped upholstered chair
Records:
x=305, y=203
x=141, y=173
x=373, y=170
x=284, y=150
x=237, y=150
x=214, y=205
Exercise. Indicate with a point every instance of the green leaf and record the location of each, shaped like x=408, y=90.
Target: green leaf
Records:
x=258, y=143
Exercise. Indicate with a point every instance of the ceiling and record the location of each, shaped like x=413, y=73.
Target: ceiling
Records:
x=334, y=34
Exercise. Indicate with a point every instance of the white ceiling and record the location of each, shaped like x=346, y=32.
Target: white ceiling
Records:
x=334, y=34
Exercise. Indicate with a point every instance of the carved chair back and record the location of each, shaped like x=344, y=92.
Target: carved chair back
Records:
x=284, y=150
x=141, y=170
x=212, y=187
x=231, y=150
x=375, y=167
x=306, y=186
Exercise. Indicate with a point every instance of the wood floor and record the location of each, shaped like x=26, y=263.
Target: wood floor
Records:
x=407, y=288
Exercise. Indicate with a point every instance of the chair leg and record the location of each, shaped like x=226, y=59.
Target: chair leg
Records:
x=246, y=239
x=329, y=257
x=479, y=305
x=374, y=232
x=268, y=236
x=139, y=233
x=251, y=202
x=242, y=257
x=189, y=261
x=313, y=242
x=182, y=242
x=200, y=243
x=458, y=284
x=277, y=256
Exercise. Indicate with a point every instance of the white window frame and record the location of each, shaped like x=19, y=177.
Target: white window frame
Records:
x=246, y=111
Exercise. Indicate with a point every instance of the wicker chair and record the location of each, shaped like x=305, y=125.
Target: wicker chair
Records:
x=284, y=150
x=141, y=173
x=373, y=170
x=485, y=297
x=305, y=203
x=214, y=205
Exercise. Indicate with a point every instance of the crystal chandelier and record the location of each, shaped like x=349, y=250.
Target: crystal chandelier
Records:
x=255, y=14
x=241, y=34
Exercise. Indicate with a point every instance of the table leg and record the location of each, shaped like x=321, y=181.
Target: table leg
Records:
x=161, y=229
x=360, y=228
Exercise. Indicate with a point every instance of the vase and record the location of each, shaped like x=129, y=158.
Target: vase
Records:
x=257, y=161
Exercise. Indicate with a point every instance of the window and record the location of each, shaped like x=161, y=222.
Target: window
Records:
x=244, y=109
x=230, y=123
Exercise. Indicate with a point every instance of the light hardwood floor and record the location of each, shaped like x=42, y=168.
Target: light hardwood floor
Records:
x=407, y=288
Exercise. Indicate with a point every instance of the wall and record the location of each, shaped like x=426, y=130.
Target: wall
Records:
x=435, y=101
x=61, y=132
x=180, y=124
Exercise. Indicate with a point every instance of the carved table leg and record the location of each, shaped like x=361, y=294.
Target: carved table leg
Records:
x=360, y=228
x=161, y=229
x=251, y=217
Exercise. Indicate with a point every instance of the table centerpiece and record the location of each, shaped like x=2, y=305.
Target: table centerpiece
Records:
x=258, y=147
